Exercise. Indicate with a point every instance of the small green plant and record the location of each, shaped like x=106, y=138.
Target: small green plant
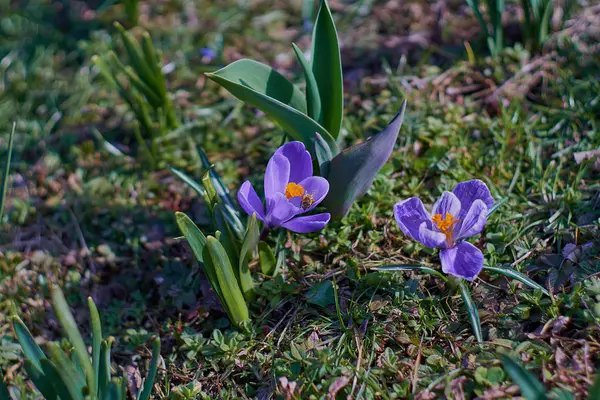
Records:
x=536, y=23
x=495, y=35
x=143, y=87
x=78, y=377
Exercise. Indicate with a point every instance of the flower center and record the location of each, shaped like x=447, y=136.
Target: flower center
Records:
x=445, y=224
x=293, y=190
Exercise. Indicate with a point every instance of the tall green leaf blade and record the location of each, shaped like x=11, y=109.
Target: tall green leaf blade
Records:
x=297, y=124
x=531, y=388
x=6, y=171
x=134, y=51
x=327, y=69
x=352, y=171
x=227, y=239
x=41, y=381
x=31, y=349
x=313, y=99
x=324, y=155
x=62, y=388
x=149, y=381
x=248, y=246
x=471, y=310
x=61, y=308
x=264, y=80
x=70, y=374
x=96, y=339
x=231, y=292
x=511, y=273
x=116, y=389
x=192, y=233
x=104, y=368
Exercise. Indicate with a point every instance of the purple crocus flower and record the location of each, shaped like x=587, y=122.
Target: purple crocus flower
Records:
x=290, y=190
x=456, y=216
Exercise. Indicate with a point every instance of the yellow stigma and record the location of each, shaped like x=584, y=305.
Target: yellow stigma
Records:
x=293, y=190
x=445, y=224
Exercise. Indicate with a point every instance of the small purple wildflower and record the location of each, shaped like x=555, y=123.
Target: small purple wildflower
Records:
x=290, y=190
x=456, y=216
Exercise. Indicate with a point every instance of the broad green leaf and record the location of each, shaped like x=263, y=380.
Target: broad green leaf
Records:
x=297, y=124
x=321, y=294
x=531, y=388
x=6, y=171
x=324, y=156
x=313, y=99
x=352, y=172
x=264, y=80
x=103, y=372
x=4, y=394
x=216, y=256
x=62, y=388
x=471, y=310
x=511, y=273
x=248, y=246
x=268, y=263
x=96, y=338
x=406, y=267
x=192, y=233
x=327, y=69
x=61, y=308
x=149, y=381
x=31, y=349
x=227, y=239
x=70, y=375
x=41, y=381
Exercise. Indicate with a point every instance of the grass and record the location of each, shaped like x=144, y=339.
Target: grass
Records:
x=82, y=214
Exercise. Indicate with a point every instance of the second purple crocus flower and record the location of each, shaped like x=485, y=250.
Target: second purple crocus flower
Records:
x=290, y=190
x=456, y=216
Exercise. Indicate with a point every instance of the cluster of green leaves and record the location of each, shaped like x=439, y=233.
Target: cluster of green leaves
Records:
x=143, y=86
x=226, y=255
x=315, y=118
x=78, y=377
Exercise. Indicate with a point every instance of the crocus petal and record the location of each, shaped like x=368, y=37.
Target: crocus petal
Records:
x=468, y=192
x=410, y=215
x=431, y=238
x=309, y=223
x=473, y=222
x=277, y=175
x=447, y=204
x=279, y=210
x=317, y=187
x=464, y=261
x=250, y=201
x=301, y=166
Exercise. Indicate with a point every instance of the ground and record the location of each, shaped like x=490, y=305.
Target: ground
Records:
x=85, y=212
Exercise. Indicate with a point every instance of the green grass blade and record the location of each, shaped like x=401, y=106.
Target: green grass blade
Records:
x=6, y=171
x=327, y=69
x=407, y=267
x=149, y=381
x=4, y=394
x=324, y=155
x=96, y=339
x=192, y=233
x=61, y=308
x=511, y=273
x=531, y=388
x=71, y=375
x=31, y=349
x=104, y=368
x=471, y=310
x=64, y=391
x=41, y=381
x=249, y=244
x=474, y=5
x=136, y=57
x=545, y=23
x=216, y=256
x=313, y=99
x=116, y=389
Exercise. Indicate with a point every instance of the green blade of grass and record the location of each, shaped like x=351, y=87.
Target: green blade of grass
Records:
x=511, y=273
x=471, y=310
x=531, y=388
x=30, y=348
x=96, y=339
x=104, y=368
x=41, y=381
x=6, y=171
x=149, y=381
x=313, y=100
x=65, y=392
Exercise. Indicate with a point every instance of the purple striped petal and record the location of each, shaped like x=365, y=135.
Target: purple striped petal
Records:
x=473, y=222
x=464, y=261
x=468, y=192
x=250, y=201
x=410, y=215
x=279, y=210
x=277, y=175
x=447, y=204
x=309, y=223
x=301, y=166
x=431, y=238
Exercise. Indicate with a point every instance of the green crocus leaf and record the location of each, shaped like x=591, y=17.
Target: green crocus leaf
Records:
x=352, y=171
x=531, y=388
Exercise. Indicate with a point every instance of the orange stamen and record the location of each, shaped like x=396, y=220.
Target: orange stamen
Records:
x=445, y=224
x=293, y=190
